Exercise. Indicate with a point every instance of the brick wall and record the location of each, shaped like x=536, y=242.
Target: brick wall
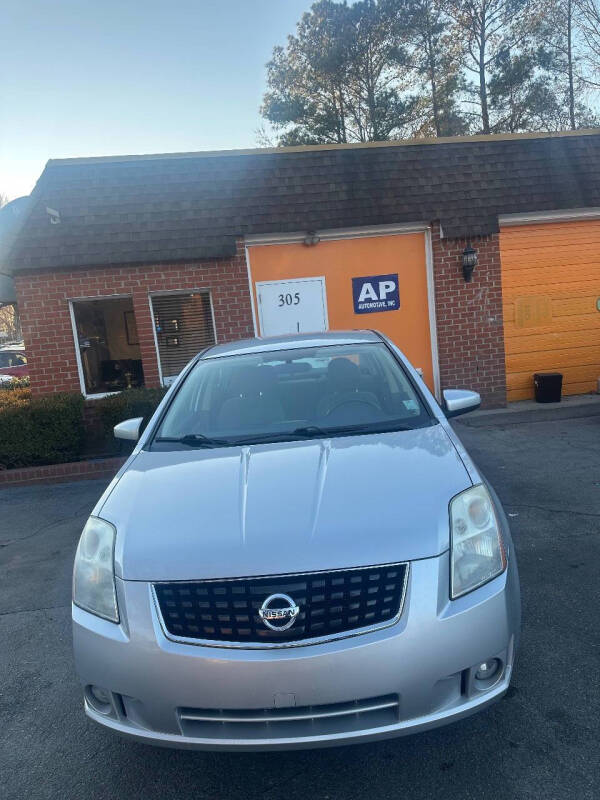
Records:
x=43, y=303
x=469, y=318
x=469, y=315
x=62, y=473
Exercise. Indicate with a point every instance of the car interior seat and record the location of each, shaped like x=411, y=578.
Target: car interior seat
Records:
x=344, y=387
x=253, y=400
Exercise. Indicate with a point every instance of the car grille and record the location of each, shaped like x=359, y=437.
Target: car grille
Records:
x=330, y=604
x=295, y=722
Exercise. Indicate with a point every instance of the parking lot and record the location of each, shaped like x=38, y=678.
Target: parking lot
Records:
x=541, y=741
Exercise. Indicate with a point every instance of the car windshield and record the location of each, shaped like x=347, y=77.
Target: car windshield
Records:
x=291, y=394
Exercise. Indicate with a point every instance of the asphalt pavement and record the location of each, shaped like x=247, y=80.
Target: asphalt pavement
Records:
x=540, y=741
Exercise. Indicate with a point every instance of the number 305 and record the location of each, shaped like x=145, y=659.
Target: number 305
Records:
x=289, y=299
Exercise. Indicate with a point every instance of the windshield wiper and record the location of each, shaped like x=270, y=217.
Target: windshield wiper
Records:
x=315, y=432
x=304, y=432
x=371, y=427
x=308, y=432
x=194, y=440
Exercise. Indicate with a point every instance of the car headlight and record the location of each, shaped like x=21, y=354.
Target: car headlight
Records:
x=93, y=572
x=476, y=546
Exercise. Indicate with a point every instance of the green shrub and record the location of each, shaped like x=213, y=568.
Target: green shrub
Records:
x=44, y=430
x=129, y=403
x=53, y=429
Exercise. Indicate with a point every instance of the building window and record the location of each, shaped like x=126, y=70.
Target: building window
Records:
x=183, y=325
x=109, y=350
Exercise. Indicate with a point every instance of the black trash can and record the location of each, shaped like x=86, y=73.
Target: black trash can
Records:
x=548, y=387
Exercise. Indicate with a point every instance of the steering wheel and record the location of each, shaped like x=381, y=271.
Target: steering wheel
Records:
x=351, y=401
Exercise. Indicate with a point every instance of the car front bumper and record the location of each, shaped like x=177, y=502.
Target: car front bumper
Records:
x=413, y=676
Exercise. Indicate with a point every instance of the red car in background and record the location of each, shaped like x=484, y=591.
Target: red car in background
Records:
x=13, y=363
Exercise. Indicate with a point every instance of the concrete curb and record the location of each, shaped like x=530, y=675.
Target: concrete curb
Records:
x=529, y=411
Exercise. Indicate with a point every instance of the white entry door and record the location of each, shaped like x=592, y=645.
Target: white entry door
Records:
x=293, y=306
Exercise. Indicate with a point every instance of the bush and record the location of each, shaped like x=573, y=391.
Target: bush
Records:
x=13, y=397
x=129, y=403
x=53, y=429
x=44, y=430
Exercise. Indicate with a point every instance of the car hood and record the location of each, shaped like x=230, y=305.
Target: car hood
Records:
x=285, y=507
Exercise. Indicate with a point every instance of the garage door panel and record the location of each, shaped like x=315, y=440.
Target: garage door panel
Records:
x=567, y=315
x=549, y=234
x=518, y=381
x=575, y=306
x=570, y=388
x=565, y=312
x=567, y=290
x=563, y=332
x=550, y=287
x=527, y=394
x=508, y=313
x=554, y=360
x=569, y=274
x=529, y=258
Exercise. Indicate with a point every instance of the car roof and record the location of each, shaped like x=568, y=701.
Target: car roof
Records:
x=293, y=341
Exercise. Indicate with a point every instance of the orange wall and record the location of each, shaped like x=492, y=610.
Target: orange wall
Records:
x=340, y=261
x=550, y=286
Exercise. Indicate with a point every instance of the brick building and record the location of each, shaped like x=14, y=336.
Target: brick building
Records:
x=125, y=267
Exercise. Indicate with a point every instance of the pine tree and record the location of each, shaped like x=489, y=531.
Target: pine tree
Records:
x=343, y=77
x=306, y=97
x=388, y=69
x=489, y=28
x=436, y=53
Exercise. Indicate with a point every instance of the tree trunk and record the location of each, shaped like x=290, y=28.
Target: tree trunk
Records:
x=483, y=99
x=371, y=102
x=433, y=79
x=373, y=114
x=570, y=64
x=343, y=135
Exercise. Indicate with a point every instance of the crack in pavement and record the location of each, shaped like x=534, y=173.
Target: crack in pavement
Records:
x=46, y=526
x=553, y=510
x=30, y=610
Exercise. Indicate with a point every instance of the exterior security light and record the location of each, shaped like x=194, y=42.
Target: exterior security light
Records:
x=53, y=215
x=469, y=262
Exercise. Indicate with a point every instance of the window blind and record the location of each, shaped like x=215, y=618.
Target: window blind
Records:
x=184, y=326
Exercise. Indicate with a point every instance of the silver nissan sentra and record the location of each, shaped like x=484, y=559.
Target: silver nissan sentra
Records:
x=299, y=552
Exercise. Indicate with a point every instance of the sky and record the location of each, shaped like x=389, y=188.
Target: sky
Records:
x=112, y=77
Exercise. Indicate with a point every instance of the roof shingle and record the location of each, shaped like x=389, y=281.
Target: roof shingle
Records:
x=193, y=206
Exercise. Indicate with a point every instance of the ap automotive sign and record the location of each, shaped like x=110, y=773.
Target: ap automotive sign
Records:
x=375, y=293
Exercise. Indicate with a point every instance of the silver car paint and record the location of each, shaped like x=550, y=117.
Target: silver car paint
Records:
x=421, y=657
x=287, y=507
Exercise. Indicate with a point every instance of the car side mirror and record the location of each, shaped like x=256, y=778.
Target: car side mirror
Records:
x=460, y=401
x=128, y=429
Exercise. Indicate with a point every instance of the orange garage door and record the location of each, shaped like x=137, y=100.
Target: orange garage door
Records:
x=280, y=272
x=551, y=290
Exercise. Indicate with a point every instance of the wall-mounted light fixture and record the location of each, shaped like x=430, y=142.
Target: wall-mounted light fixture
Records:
x=54, y=215
x=469, y=262
x=311, y=238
